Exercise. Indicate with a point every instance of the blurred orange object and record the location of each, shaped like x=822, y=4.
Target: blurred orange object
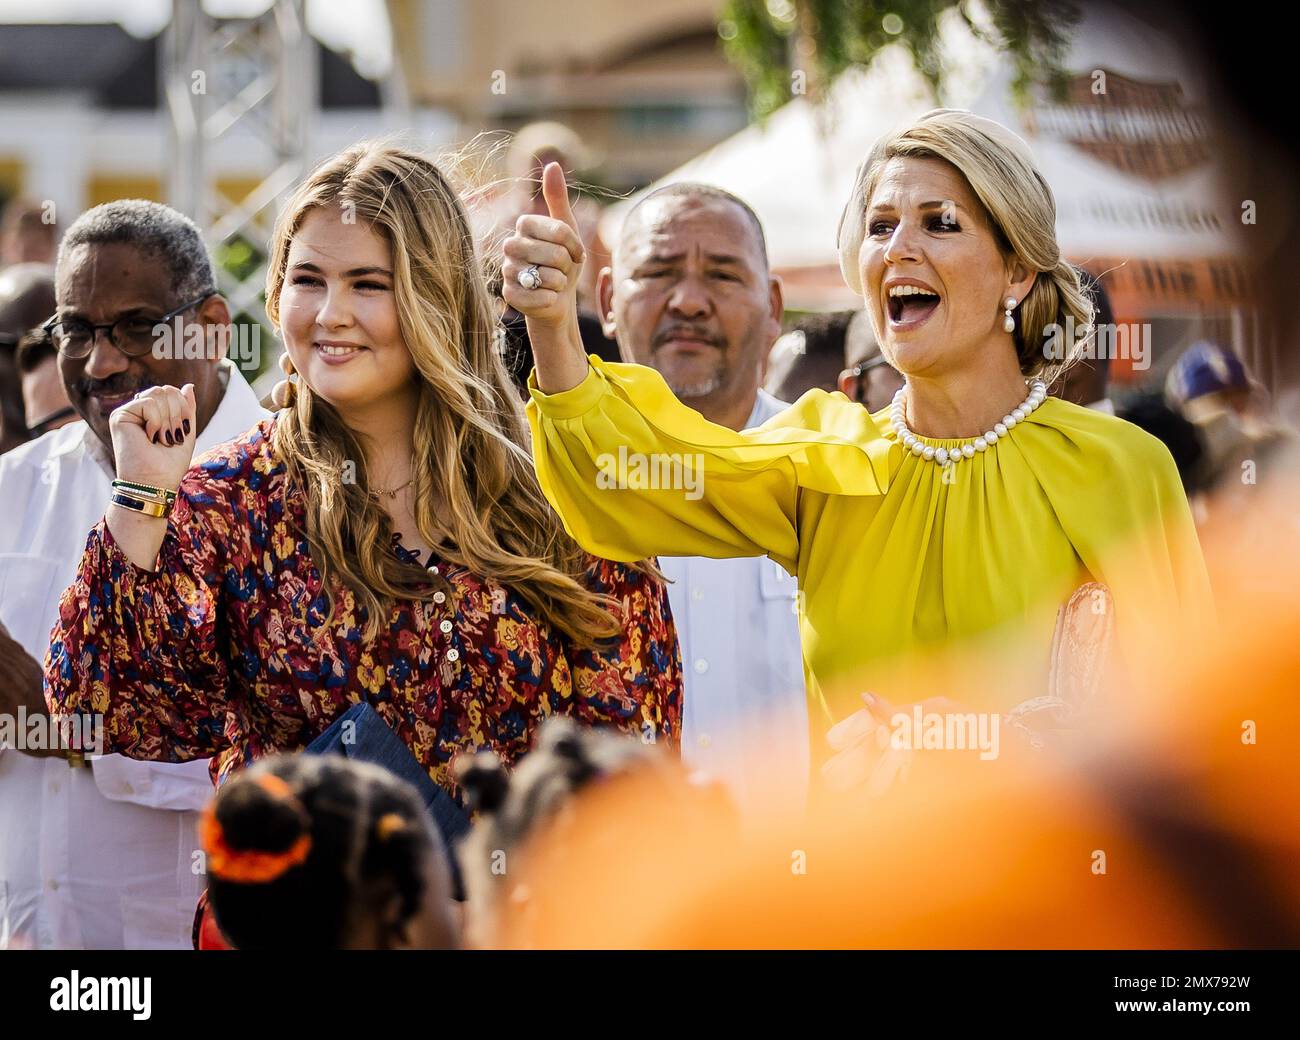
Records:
x=1175, y=824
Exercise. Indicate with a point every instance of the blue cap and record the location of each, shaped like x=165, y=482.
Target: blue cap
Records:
x=1205, y=368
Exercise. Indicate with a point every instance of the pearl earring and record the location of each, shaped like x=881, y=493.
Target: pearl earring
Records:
x=1009, y=322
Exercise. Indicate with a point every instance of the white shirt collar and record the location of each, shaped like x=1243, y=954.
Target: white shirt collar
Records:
x=68, y=439
x=765, y=406
x=238, y=411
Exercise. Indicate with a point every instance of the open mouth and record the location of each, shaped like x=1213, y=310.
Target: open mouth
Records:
x=910, y=305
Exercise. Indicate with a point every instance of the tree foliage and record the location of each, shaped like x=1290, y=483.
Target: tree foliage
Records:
x=783, y=45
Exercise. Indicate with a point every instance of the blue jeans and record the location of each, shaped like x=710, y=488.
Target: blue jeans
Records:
x=372, y=740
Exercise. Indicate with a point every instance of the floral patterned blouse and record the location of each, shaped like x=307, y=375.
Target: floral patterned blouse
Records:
x=223, y=650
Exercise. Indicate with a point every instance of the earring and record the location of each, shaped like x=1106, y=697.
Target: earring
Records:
x=1009, y=322
x=285, y=392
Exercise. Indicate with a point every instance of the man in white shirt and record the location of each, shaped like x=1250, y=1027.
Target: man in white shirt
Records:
x=101, y=853
x=691, y=295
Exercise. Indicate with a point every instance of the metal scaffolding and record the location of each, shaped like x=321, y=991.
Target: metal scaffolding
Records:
x=248, y=84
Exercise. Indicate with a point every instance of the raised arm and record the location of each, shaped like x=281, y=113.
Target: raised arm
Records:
x=551, y=244
x=631, y=470
x=138, y=638
x=153, y=442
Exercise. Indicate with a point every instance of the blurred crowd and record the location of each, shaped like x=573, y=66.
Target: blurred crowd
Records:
x=703, y=830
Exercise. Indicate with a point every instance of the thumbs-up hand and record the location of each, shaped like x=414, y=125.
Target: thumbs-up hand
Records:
x=543, y=259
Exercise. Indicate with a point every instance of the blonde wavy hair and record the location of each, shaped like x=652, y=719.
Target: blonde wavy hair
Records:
x=1002, y=173
x=470, y=437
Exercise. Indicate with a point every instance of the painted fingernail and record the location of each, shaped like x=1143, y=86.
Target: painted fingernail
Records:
x=180, y=435
x=185, y=425
x=169, y=438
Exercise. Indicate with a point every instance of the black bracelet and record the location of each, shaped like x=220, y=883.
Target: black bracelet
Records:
x=154, y=509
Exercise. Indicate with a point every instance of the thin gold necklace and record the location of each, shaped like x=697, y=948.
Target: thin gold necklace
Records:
x=394, y=491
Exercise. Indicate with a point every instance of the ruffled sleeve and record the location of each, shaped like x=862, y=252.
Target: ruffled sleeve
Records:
x=635, y=473
x=145, y=649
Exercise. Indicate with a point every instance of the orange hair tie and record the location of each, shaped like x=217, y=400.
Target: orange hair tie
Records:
x=249, y=866
x=275, y=787
x=388, y=825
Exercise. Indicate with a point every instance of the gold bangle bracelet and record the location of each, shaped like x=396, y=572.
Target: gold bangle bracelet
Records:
x=139, y=497
x=140, y=505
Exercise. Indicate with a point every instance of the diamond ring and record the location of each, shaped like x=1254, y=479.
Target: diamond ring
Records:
x=530, y=277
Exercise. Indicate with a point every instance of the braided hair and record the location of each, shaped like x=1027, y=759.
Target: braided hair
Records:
x=301, y=849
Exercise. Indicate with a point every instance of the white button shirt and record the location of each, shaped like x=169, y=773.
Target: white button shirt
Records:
x=98, y=858
x=745, y=712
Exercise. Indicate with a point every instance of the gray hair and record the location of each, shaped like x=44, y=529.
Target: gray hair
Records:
x=154, y=229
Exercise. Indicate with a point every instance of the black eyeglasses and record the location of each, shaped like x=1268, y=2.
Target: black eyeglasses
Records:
x=867, y=366
x=47, y=424
x=133, y=335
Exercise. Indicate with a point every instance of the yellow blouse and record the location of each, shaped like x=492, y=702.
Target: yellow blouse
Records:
x=896, y=558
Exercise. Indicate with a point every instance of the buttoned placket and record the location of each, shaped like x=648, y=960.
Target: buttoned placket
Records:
x=450, y=656
x=447, y=656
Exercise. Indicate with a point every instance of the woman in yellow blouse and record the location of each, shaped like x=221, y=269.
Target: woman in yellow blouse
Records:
x=964, y=513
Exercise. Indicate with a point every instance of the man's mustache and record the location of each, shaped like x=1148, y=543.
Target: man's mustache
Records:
x=115, y=386
x=686, y=332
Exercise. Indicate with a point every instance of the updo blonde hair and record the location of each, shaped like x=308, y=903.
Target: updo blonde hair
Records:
x=1001, y=171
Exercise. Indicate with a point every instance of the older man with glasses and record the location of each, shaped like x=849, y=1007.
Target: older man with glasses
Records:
x=100, y=852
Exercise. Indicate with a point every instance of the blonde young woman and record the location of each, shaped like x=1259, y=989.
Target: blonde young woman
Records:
x=381, y=539
x=961, y=517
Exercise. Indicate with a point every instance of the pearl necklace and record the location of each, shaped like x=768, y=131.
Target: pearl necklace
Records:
x=948, y=456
